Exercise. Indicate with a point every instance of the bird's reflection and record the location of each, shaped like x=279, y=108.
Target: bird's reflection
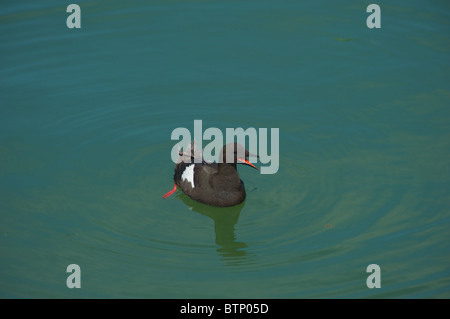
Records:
x=225, y=218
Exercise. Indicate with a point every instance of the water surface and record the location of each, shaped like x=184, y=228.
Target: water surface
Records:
x=85, y=123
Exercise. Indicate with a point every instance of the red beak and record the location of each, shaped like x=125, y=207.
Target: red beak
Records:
x=245, y=161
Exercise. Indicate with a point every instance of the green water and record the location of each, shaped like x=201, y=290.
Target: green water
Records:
x=86, y=117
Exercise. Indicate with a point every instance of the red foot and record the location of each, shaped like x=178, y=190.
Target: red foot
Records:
x=171, y=192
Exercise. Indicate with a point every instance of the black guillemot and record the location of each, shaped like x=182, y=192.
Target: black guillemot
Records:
x=215, y=184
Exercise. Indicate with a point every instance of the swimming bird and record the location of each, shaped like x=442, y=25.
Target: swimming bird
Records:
x=215, y=184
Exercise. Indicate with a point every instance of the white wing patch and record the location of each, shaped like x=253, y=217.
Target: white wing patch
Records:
x=188, y=175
